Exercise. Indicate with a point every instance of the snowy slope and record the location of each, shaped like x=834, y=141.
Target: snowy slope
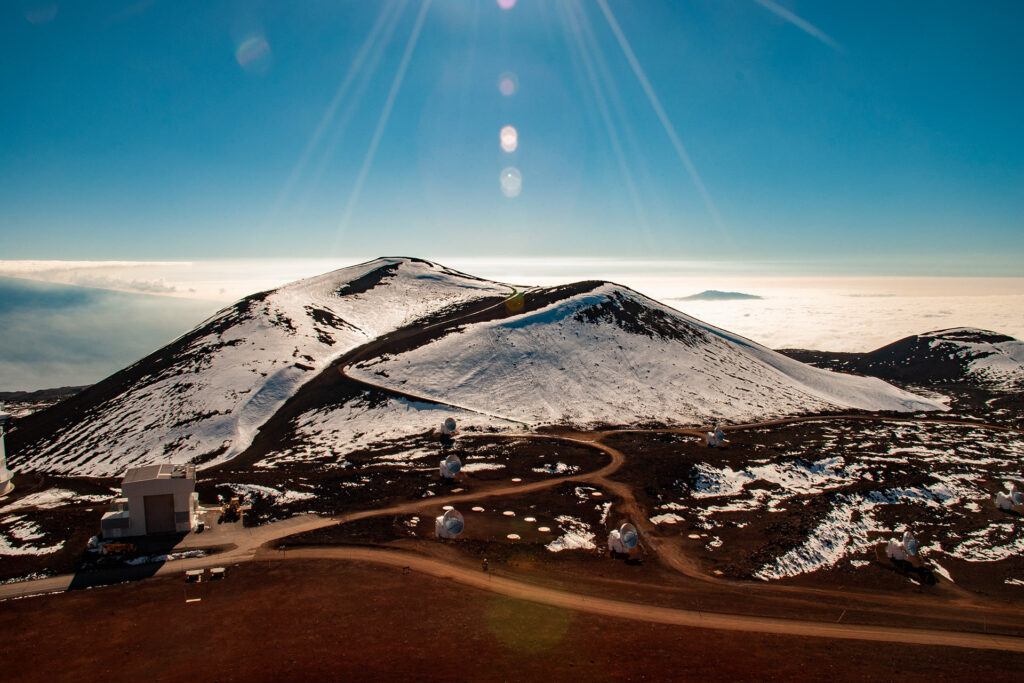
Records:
x=987, y=357
x=203, y=397
x=961, y=354
x=611, y=355
x=329, y=434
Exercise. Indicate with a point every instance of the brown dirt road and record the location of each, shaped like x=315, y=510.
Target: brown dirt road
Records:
x=659, y=615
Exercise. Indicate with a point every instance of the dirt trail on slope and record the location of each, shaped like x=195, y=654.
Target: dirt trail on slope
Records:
x=661, y=615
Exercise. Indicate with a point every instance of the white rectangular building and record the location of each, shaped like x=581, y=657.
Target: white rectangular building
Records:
x=156, y=499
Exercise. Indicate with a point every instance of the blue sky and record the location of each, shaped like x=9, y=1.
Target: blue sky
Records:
x=862, y=132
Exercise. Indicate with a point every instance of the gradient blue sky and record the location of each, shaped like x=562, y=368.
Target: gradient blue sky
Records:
x=860, y=132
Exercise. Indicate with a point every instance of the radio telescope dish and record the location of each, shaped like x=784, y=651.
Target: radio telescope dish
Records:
x=450, y=466
x=448, y=427
x=629, y=536
x=454, y=522
x=623, y=539
x=1016, y=496
x=450, y=524
x=909, y=543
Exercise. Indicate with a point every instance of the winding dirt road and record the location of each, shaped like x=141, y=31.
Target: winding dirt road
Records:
x=660, y=615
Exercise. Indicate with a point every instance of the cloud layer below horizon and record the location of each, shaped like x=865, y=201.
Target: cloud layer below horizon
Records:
x=57, y=335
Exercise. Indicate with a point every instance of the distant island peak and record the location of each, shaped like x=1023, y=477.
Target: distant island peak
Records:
x=717, y=295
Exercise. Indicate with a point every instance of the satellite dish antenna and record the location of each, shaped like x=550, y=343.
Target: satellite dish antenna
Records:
x=450, y=466
x=450, y=524
x=447, y=430
x=909, y=543
x=623, y=539
x=453, y=464
x=629, y=536
x=1016, y=496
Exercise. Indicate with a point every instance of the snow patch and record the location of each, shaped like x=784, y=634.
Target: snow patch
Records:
x=576, y=535
x=278, y=496
x=991, y=544
x=23, y=530
x=169, y=557
x=667, y=518
x=557, y=468
x=481, y=466
x=53, y=498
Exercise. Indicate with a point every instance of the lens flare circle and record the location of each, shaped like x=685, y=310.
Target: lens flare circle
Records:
x=253, y=54
x=509, y=138
x=511, y=182
x=508, y=84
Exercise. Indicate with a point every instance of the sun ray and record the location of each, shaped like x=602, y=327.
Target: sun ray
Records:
x=613, y=91
x=572, y=11
x=670, y=130
x=341, y=127
x=354, y=70
x=802, y=24
x=588, y=105
x=382, y=122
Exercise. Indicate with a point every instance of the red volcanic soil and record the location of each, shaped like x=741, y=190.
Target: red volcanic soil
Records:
x=292, y=620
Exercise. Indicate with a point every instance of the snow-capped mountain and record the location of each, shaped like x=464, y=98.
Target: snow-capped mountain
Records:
x=202, y=397
x=954, y=355
x=610, y=355
x=415, y=342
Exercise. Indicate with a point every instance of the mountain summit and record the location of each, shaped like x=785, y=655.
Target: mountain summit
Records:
x=385, y=348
